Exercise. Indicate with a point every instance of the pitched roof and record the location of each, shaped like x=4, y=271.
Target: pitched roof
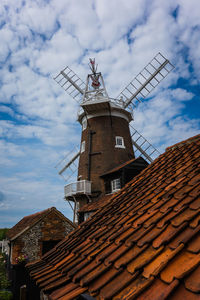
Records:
x=135, y=162
x=93, y=206
x=29, y=221
x=144, y=244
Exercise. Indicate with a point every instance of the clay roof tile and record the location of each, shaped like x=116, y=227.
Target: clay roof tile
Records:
x=143, y=242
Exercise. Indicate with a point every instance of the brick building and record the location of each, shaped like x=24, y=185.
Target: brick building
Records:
x=35, y=234
x=32, y=237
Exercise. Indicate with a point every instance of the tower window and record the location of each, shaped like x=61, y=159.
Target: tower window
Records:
x=84, y=124
x=115, y=185
x=119, y=142
x=82, y=146
x=87, y=215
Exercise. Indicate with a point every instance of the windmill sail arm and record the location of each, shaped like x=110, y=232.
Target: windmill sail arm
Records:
x=72, y=82
x=128, y=101
x=141, y=144
x=142, y=151
x=69, y=163
x=141, y=86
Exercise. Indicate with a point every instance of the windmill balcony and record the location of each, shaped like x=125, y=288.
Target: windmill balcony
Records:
x=78, y=187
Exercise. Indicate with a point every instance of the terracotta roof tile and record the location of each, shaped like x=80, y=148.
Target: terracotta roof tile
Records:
x=180, y=266
x=56, y=284
x=63, y=291
x=128, y=163
x=192, y=282
x=159, y=290
x=93, y=206
x=144, y=243
x=134, y=288
x=154, y=267
x=129, y=256
x=117, y=284
x=168, y=234
x=194, y=245
x=184, y=237
x=145, y=257
x=96, y=285
x=72, y=294
x=182, y=293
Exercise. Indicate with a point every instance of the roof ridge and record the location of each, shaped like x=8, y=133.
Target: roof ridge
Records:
x=182, y=143
x=30, y=221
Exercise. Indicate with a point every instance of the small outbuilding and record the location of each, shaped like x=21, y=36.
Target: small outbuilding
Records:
x=36, y=234
x=32, y=237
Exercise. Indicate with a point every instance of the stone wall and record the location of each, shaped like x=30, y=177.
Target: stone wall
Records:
x=31, y=242
x=51, y=228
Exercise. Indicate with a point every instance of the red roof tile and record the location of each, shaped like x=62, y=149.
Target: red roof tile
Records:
x=28, y=221
x=144, y=243
x=93, y=206
x=126, y=164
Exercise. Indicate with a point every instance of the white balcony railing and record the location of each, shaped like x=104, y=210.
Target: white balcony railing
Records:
x=78, y=187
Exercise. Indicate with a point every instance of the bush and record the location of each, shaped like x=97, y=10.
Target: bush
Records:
x=5, y=295
x=3, y=233
x=4, y=283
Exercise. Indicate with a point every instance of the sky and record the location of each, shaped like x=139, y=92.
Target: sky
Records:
x=38, y=120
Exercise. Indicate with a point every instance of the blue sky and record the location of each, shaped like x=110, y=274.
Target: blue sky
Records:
x=38, y=119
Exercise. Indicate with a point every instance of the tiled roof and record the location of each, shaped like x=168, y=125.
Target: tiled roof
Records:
x=28, y=221
x=134, y=161
x=144, y=244
x=93, y=206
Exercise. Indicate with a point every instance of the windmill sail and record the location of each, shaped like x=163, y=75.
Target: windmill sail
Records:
x=68, y=166
x=142, y=146
x=140, y=87
x=71, y=83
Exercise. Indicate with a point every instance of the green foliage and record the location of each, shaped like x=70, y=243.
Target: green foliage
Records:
x=3, y=233
x=4, y=283
x=5, y=295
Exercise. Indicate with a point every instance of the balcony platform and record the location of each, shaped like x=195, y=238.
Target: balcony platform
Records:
x=82, y=187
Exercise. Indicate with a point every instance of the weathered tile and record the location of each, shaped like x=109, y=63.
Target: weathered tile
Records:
x=116, y=254
x=143, y=259
x=63, y=291
x=168, y=234
x=183, y=294
x=73, y=294
x=194, y=244
x=114, y=260
x=184, y=237
x=192, y=282
x=134, y=288
x=186, y=215
x=116, y=285
x=184, y=263
x=159, y=290
x=129, y=256
x=157, y=264
x=97, y=284
x=151, y=235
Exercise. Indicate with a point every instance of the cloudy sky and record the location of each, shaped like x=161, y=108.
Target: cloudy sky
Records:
x=38, y=119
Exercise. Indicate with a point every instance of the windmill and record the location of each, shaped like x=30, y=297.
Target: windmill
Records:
x=107, y=138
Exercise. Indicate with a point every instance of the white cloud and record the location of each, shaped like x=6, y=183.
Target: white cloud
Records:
x=39, y=38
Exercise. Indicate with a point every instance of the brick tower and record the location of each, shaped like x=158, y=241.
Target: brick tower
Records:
x=106, y=140
x=106, y=156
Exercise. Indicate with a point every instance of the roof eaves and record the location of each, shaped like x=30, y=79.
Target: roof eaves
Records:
x=19, y=233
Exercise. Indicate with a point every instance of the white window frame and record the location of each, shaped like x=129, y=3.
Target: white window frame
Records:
x=115, y=185
x=82, y=146
x=84, y=124
x=87, y=215
x=121, y=144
